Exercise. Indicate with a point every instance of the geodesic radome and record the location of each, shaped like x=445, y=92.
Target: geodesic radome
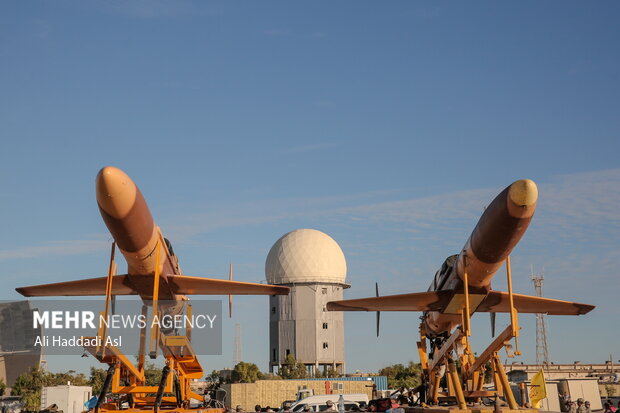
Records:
x=305, y=255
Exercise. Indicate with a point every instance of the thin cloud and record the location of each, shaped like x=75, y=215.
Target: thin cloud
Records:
x=572, y=207
x=152, y=9
x=426, y=211
x=578, y=207
x=55, y=248
x=266, y=211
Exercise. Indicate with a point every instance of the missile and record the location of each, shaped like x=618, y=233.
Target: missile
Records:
x=139, y=239
x=129, y=220
x=498, y=231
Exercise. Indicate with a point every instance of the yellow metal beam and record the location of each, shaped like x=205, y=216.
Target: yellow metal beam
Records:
x=467, y=314
x=188, y=325
x=510, y=398
x=142, y=351
x=102, y=331
x=448, y=345
x=497, y=344
x=423, y=355
x=456, y=384
x=154, y=329
x=514, y=318
x=435, y=387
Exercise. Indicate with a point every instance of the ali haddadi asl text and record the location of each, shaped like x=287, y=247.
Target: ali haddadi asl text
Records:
x=59, y=341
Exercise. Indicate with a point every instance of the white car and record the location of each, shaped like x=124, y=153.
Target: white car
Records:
x=318, y=403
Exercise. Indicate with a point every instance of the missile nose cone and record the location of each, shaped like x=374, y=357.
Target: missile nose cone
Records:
x=523, y=192
x=522, y=197
x=116, y=192
x=126, y=215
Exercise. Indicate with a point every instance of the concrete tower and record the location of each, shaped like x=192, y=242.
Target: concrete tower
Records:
x=312, y=264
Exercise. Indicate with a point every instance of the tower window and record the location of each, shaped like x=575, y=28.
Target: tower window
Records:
x=274, y=355
x=273, y=310
x=324, y=290
x=325, y=345
x=324, y=326
x=288, y=352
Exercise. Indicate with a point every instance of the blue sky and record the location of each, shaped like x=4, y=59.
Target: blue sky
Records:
x=388, y=126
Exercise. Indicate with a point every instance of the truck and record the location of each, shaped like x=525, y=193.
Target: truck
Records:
x=69, y=399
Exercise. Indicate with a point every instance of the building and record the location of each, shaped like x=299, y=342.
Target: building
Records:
x=274, y=392
x=606, y=372
x=68, y=399
x=18, y=353
x=588, y=381
x=312, y=264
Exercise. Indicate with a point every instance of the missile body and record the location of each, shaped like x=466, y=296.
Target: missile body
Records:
x=129, y=220
x=141, y=242
x=498, y=231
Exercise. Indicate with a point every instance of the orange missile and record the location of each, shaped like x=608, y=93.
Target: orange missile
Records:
x=498, y=231
x=500, y=228
x=129, y=220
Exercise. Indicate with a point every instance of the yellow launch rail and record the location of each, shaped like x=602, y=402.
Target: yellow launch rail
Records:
x=153, y=273
x=467, y=386
x=127, y=381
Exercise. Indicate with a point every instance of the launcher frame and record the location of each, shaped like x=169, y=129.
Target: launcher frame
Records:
x=127, y=380
x=465, y=387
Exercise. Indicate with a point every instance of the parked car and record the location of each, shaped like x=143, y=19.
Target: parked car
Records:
x=318, y=403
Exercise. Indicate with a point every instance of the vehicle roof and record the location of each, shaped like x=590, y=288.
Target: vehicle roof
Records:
x=333, y=397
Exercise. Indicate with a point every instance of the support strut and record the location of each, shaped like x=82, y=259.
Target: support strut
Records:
x=177, y=391
x=104, y=388
x=160, y=389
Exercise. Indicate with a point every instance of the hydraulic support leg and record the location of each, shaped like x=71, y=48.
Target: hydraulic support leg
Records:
x=160, y=389
x=105, y=387
x=453, y=376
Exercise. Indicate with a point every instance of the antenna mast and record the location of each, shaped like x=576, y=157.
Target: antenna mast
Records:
x=237, y=358
x=542, y=352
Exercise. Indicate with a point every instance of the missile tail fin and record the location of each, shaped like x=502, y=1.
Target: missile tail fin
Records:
x=87, y=287
x=426, y=301
x=187, y=285
x=499, y=302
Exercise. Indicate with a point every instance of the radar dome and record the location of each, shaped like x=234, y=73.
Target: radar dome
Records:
x=305, y=255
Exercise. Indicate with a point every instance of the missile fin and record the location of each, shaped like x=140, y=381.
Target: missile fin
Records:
x=499, y=302
x=87, y=287
x=426, y=301
x=186, y=285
